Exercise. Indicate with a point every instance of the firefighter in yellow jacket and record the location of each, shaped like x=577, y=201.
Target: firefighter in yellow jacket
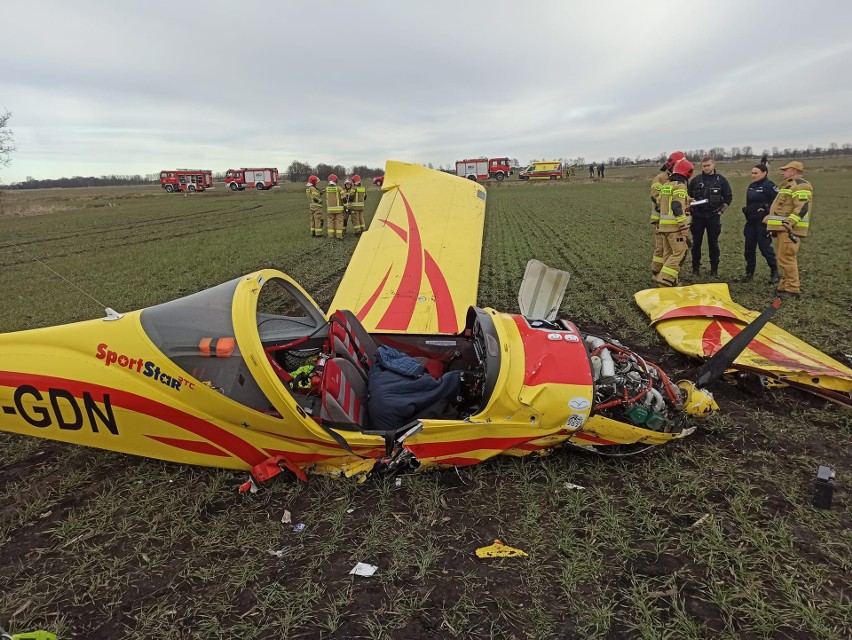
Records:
x=656, y=186
x=334, y=209
x=674, y=223
x=788, y=221
x=315, y=206
x=347, y=197
x=357, y=206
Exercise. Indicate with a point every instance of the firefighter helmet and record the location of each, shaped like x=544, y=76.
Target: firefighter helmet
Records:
x=696, y=402
x=347, y=183
x=332, y=177
x=356, y=179
x=673, y=158
x=313, y=180
x=683, y=167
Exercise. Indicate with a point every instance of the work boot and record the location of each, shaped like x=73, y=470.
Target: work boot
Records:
x=747, y=277
x=714, y=272
x=774, y=278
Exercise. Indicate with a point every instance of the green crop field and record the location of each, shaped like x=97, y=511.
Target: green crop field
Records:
x=713, y=536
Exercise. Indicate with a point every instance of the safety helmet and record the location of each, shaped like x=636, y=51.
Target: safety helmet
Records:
x=332, y=177
x=313, y=180
x=356, y=178
x=347, y=183
x=698, y=403
x=683, y=167
x=673, y=158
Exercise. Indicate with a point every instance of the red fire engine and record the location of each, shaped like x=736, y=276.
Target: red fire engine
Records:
x=260, y=179
x=484, y=168
x=186, y=180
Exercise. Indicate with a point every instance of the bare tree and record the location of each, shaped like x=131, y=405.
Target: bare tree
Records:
x=7, y=140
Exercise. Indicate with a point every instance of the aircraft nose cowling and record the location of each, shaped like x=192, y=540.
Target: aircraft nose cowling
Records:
x=557, y=379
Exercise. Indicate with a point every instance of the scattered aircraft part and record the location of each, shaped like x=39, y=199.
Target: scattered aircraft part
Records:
x=542, y=290
x=499, y=550
x=699, y=320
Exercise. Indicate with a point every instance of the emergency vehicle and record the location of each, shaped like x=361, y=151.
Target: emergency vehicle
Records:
x=260, y=179
x=484, y=169
x=543, y=170
x=186, y=180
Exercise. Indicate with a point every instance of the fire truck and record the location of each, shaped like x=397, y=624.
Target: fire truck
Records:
x=186, y=180
x=260, y=179
x=484, y=169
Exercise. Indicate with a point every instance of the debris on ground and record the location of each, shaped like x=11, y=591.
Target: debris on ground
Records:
x=499, y=550
x=700, y=521
x=299, y=528
x=571, y=485
x=286, y=518
x=363, y=569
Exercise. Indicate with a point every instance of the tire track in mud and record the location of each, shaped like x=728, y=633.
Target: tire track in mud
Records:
x=138, y=234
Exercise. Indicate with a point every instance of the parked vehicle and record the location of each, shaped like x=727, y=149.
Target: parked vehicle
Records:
x=260, y=179
x=484, y=169
x=186, y=180
x=543, y=170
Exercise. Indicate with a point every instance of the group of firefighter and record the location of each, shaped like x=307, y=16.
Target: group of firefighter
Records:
x=342, y=205
x=781, y=212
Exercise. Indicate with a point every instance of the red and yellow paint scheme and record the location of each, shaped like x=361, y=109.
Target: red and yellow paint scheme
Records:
x=698, y=320
x=231, y=376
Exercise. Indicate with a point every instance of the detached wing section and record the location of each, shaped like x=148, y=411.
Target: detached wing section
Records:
x=417, y=268
x=699, y=319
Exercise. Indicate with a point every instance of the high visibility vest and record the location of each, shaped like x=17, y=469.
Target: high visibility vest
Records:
x=670, y=192
x=793, y=201
x=332, y=199
x=360, y=197
x=656, y=186
x=314, y=196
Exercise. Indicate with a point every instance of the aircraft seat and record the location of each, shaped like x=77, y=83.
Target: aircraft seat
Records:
x=344, y=395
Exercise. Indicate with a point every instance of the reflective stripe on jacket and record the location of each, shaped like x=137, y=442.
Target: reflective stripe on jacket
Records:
x=670, y=219
x=792, y=204
x=360, y=197
x=332, y=199
x=656, y=186
x=314, y=195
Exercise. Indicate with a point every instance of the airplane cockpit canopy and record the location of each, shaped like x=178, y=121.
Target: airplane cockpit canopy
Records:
x=196, y=332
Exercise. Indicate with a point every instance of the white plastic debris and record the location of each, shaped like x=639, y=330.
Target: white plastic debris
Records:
x=399, y=482
x=363, y=569
x=571, y=485
x=286, y=518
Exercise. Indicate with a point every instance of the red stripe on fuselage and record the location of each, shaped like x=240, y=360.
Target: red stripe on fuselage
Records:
x=697, y=310
x=447, y=322
x=195, y=446
x=437, y=449
x=398, y=314
x=711, y=342
x=145, y=406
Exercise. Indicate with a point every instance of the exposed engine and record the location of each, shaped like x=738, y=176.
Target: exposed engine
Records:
x=629, y=388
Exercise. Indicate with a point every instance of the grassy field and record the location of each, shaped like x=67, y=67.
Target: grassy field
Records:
x=711, y=537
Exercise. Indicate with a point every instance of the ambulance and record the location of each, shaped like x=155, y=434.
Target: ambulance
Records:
x=543, y=170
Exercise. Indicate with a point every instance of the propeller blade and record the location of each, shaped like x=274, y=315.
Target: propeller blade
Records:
x=722, y=359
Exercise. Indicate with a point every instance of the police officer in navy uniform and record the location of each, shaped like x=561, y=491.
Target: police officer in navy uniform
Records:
x=713, y=187
x=761, y=192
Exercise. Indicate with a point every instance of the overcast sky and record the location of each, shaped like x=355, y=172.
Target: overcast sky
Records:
x=134, y=87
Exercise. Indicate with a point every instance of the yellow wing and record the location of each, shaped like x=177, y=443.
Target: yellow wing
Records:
x=697, y=320
x=417, y=268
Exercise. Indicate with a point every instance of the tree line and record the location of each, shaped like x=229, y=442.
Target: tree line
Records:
x=300, y=171
x=733, y=154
